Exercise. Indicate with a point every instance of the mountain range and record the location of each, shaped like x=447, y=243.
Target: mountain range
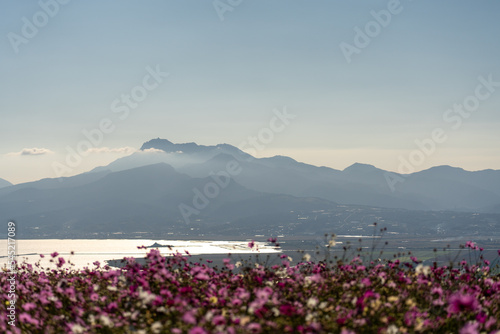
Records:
x=180, y=187
x=4, y=183
x=437, y=188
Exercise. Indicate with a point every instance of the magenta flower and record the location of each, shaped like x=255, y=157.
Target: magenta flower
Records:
x=189, y=318
x=187, y=297
x=202, y=277
x=54, y=254
x=94, y=297
x=347, y=331
x=227, y=263
x=470, y=328
x=197, y=330
x=437, y=291
x=460, y=303
x=287, y=310
x=113, y=306
x=481, y=317
x=29, y=306
x=236, y=302
x=366, y=282
x=219, y=320
x=26, y=318
x=254, y=327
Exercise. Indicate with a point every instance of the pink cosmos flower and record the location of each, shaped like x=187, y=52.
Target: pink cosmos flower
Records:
x=287, y=310
x=218, y=320
x=202, y=277
x=471, y=245
x=481, y=317
x=197, y=330
x=94, y=297
x=61, y=262
x=470, y=328
x=189, y=318
x=254, y=327
x=29, y=306
x=459, y=303
x=366, y=282
x=227, y=263
x=437, y=290
x=236, y=302
x=347, y=331
x=26, y=318
x=112, y=306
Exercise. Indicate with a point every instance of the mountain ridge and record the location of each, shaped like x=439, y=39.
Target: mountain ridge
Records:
x=438, y=188
x=4, y=183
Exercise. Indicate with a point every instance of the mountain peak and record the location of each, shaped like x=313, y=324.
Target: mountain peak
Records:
x=157, y=143
x=446, y=167
x=360, y=167
x=189, y=148
x=443, y=170
x=281, y=158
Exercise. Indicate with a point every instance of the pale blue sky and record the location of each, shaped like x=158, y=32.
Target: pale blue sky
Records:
x=226, y=77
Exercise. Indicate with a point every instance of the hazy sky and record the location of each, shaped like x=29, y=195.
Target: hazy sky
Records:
x=364, y=80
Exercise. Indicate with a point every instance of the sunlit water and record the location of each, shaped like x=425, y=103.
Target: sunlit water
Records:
x=86, y=252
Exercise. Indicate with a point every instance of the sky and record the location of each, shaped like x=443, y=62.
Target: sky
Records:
x=402, y=85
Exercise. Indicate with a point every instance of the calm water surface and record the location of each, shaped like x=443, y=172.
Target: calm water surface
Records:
x=86, y=252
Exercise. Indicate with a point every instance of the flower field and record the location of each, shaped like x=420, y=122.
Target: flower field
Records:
x=174, y=295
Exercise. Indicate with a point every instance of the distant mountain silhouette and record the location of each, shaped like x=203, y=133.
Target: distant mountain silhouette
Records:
x=176, y=155
x=145, y=198
x=4, y=183
x=176, y=187
x=437, y=188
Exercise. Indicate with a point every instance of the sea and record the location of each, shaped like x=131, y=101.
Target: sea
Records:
x=85, y=253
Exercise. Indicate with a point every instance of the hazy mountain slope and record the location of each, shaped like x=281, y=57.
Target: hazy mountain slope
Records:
x=4, y=183
x=492, y=208
x=145, y=198
x=56, y=183
x=438, y=188
x=485, y=179
x=176, y=155
x=280, y=175
x=448, y=195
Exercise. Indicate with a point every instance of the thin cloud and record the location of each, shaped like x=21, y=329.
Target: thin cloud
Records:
x=31, y=151
x=152, y=150
x=121, y=150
